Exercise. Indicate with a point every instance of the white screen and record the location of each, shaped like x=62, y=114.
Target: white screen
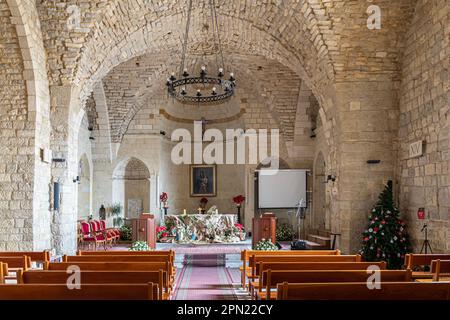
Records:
x=282, y=188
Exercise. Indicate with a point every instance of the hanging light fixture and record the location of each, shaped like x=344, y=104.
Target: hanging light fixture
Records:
x=185, y=88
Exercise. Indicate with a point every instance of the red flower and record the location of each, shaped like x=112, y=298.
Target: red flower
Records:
x=239, y=226
x=160, y=229
x=165, y=235
x=164, y=197
x=375, y=229
x=383, y=222
x=204, y=201
x=238, y=200
x=366, y=239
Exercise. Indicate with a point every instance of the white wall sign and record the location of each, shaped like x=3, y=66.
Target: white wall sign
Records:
x=416, y=149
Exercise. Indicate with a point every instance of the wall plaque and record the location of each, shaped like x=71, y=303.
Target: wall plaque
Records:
x=416, y=149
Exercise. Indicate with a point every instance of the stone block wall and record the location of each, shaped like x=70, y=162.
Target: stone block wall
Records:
x=424, y=107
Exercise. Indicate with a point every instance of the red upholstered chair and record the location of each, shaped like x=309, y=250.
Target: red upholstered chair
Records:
x=111, y=232
x=96, y=228
x=89, y=236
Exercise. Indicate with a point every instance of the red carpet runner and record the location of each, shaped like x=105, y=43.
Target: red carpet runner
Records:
x=204, y=283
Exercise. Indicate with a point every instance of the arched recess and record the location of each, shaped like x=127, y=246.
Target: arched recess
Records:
x=84, y=188
x=320, y=219
x=131, y=187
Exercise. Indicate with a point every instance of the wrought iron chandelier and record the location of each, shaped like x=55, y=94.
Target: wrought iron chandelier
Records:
x=216, y=89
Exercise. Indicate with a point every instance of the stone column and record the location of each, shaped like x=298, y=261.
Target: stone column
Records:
x=367, y=126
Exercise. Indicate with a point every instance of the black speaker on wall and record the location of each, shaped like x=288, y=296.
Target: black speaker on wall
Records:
x=56, y=192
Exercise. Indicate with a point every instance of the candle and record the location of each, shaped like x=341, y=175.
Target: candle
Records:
x=184, y=212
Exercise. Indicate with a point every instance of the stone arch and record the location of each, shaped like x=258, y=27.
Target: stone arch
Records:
x=95, y=63
x=131, y=187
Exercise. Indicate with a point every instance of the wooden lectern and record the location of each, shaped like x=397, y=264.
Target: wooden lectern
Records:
x=264, y=227
x=144, y=229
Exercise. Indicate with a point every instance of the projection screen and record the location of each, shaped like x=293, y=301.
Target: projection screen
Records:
x=281, y=189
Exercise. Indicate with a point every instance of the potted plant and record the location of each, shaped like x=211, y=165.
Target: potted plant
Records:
x=125, y=233
x=116, y=210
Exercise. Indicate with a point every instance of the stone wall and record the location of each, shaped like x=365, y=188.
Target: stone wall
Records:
x=424, y=106
x=16, y=141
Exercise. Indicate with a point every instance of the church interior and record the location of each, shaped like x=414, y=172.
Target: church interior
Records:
x=224, y=149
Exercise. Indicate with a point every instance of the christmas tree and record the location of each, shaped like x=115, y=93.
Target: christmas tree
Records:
x=386, y=239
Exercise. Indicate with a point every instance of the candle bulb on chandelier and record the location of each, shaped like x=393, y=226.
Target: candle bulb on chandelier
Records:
x=214, y=91
x=185, y=73
x=220, y=72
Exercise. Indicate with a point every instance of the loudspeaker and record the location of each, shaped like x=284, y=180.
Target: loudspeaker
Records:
x=56, y=193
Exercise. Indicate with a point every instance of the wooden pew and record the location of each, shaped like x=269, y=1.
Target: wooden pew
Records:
x=414, y=260
x=125, y=258
x=2, y=274
x=169, y=253
x=38, y=257
x=439, y=269
x=113, y=266
x=360, y=291
x=311, y=266
x=270, y=279
x=101, y=277
x=254, y=260
x=87, y=292
x=15, y=265
x=5, y=269
x=245, y=255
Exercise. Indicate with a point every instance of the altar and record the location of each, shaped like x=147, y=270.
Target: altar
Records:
x=205, y=228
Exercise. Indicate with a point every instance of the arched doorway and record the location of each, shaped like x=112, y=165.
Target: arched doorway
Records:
x=84, y=188
x=131, y=187
x=320, y=220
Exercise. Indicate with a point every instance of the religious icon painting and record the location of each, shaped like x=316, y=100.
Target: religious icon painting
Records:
x=203, y=180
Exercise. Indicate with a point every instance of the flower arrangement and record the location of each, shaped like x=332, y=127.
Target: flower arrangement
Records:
x=266, y=245
x=162, y=232
x=139, y=246
x=238, y=200
x=285, y=233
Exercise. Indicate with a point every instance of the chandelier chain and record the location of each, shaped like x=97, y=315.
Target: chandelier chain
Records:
x=186, y=38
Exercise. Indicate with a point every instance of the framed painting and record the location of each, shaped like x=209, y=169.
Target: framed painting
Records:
x=203, y=180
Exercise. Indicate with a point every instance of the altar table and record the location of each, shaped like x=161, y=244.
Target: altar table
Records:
x=210, y=228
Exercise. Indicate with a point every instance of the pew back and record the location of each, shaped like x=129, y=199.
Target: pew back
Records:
x=413, y=260
x=264, y=266
x=87, y=292
x=99, y=277
x=19, y=262
x=169, y=253
x=360, y=291
x=255, y=260
x=270, y=279
x=440, y=268
x=41, y=256
x=113, y=258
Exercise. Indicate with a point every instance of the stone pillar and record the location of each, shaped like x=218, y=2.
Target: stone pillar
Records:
x=64, y=146
x=368, y=120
